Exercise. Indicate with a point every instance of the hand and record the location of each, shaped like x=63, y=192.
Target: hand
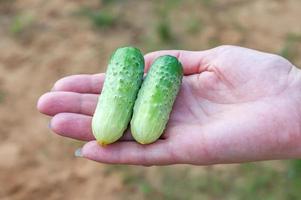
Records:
x=235, y=105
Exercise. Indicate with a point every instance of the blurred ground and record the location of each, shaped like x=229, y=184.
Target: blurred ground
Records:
x=42, y=41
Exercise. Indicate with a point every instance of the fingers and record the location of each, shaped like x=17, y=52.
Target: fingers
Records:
x=78, y=127
x=80, y=83
x=53, y=103
x=158, y=153
x=74, y=126
x=193, y=61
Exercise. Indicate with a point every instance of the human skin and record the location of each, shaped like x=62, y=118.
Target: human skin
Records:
x=235, y=105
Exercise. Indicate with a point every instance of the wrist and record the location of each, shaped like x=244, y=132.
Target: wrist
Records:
x=293, y=124
x=298, y=108
x=298, y=88
x=298, y=93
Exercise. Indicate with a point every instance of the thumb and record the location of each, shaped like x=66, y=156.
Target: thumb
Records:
x=129, y=152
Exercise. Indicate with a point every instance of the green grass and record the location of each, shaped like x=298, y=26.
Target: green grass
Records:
x=214, y=41
x=105, y=2
x=194, y=26
x=133, y=178
x=251, y=181
x=2, y=96
x=163, y=27
x=294, y=179
x=7, y=2
x=166, y=6
x=290, y=47
x=20, y=23
x=138, y=182
x=164, y=31
x=102, y=19
x=207, y=3
x=99, y=18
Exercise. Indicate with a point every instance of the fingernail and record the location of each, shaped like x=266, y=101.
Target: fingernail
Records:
x=78, y=153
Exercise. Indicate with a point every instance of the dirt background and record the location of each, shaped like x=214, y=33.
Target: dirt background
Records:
x=42, y=41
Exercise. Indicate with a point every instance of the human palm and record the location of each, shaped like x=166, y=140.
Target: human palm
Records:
x=235, y=105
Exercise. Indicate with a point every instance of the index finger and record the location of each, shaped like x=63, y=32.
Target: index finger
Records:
x=82, y=83
x=193, y=62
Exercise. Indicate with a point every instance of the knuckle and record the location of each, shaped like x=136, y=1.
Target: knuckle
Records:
x=278, y=61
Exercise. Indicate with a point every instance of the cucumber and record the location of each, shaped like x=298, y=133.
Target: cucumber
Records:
x=155, y=99
x=116, y=101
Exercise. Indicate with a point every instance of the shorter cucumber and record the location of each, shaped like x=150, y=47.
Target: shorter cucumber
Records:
x=115, y=104
x=155, y=99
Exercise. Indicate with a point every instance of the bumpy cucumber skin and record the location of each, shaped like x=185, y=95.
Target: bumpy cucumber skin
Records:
x=116, y=101
x=155, y=99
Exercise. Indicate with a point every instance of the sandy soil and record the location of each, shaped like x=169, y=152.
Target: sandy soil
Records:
x=36, y=164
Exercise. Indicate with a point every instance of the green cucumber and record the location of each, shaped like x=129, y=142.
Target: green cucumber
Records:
x=116, y=101
x=155, y=99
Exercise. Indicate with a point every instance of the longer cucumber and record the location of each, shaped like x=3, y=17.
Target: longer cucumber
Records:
x=155, y=99
x=115, y=105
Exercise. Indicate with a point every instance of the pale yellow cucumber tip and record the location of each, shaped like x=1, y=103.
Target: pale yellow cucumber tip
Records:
x=142, y=142
x=102, y=143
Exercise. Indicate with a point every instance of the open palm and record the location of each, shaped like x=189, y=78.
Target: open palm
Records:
x=235, y=105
